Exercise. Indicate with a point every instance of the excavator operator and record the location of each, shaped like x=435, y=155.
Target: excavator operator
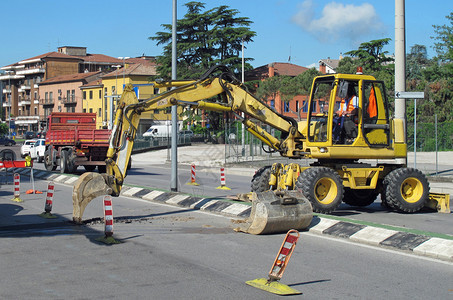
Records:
x=345, y=120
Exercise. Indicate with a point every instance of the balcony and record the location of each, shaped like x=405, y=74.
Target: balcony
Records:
x=70, y=100
x=47, y=102
x=6, y=104
x=6, y=91
x=25, y=87
x=31, y=71
x=36, y=101
x=24, y=102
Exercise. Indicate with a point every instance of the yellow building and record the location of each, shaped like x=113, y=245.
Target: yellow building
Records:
x=100, y=96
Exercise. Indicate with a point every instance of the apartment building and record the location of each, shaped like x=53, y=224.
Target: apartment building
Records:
x=63, y=94
x=297, y=107
x=20, y=99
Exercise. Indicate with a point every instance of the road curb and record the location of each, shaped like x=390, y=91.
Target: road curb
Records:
x=419, y=244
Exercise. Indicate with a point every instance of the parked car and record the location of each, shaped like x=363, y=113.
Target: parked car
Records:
x=6, y=141
x=37, y=150
x=29, y=135
x=25, y=148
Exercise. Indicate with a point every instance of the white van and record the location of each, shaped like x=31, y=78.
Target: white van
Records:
x=156, y=131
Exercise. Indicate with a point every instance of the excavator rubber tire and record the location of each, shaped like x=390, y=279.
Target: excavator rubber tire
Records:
x=260, y=181
x=322, y=186
x=359, y=198
x=406, y=189
x=268, y=215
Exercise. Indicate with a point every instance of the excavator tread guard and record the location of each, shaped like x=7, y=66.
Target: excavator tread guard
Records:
x=268, y=215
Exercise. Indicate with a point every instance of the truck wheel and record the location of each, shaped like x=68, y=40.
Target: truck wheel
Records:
x=360, y=198
x=48, y=162
x=71, y=162
x=406, y=189
x=260, y=181
x=64, y=161
x=323, y=188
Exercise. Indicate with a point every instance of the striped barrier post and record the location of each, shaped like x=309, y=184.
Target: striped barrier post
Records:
x=280, y=263
x=192, y=176
x=17, y=188
x=108, y=216
x=108, y=220
x=49, y=202
x=222, y=180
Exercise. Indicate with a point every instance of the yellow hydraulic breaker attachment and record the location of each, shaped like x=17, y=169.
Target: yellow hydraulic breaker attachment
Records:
x=439, y=202
x=276, y=212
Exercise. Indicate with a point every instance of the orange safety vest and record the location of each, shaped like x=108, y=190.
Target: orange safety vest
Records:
x=350, y=106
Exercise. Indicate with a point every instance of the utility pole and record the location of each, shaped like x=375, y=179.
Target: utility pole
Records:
x=174, y=110
x=400, y=66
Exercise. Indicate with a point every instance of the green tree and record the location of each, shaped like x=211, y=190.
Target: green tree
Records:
x=371, y=55
x=204, y=39
x=444, y=38
x=4, y=128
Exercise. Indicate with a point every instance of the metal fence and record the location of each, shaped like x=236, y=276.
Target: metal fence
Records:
x=430, y=136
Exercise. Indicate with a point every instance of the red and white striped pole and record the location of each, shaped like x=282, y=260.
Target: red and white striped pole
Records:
x=49, y=202
x=192, y=175
x=222, y=180
x=17, y=188
x=108, y=216
x=49, y=197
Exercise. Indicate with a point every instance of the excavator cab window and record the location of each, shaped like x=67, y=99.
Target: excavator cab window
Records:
x=375, y=122
x=319, y=110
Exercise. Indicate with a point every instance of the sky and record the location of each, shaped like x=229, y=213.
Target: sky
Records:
x=297, y=31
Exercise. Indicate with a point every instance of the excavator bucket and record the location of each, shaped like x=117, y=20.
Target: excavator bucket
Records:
x=89, y=186
x=277, y=212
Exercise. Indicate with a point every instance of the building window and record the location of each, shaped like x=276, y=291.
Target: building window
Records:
x=297, y=106
x=51, y=96
x=46, y=96
x=273, y=103
x=305, y=107
x=68, y=94
x=91, y=110
x=286, y=107
x=113, y=90
x=84, y=110
x=36, y=111
x=99, y=113
x=73, y=95
x=100, y=94
x=36, y=96
x=313, y=109
x=84, y=95
x=91, y=95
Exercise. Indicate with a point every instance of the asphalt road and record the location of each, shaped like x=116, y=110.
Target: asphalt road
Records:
x=158, y=175
x=172, y=253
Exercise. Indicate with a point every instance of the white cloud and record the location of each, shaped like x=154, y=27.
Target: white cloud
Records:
x=339, y=21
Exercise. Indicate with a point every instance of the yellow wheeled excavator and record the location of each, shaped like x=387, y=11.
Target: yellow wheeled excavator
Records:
x=284, y=196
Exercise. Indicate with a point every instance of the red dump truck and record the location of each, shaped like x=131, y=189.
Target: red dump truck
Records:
x=72, y=140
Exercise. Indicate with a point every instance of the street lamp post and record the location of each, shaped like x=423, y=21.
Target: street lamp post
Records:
x=9, y=101
x=124, y=66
